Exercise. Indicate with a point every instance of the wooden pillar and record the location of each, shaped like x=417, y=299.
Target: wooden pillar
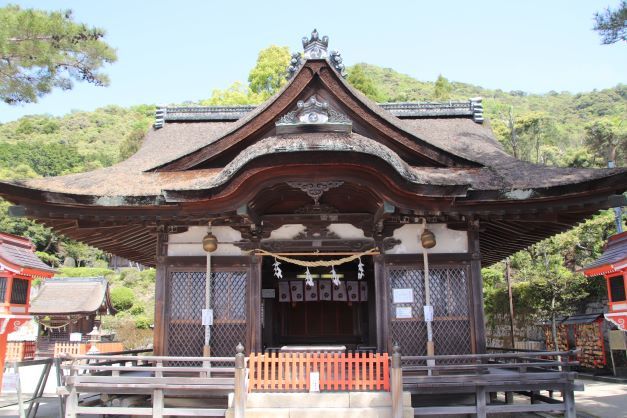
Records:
x=396, y=383
x=239, y=396
x=381, y=303
x=476, y=282
x=254, y=304
x=161, y=285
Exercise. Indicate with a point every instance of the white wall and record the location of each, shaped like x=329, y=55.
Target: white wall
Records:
x=189, y=243
x=447, y=240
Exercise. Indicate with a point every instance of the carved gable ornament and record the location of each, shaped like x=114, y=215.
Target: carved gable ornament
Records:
x=313, y=115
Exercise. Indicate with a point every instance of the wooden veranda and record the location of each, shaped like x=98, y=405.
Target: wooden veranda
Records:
x=142, y=385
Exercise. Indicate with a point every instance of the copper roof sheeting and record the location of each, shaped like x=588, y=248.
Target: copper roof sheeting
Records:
x=614, y=254
x=72, y=295
x=20, y=252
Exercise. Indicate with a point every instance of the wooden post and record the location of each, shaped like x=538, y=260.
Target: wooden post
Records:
x=381, y=303
x=476, y=283
x=481, y=402
x=157, y=403
x=511, y=300
x=57, y=365
x=72, y=399
x=509, y=397
x=239, y=397
x=569, y=402
x=161, y=281
x=396, y=383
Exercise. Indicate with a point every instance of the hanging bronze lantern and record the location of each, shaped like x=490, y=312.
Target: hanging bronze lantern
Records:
x=427, y=238
x=209, y=243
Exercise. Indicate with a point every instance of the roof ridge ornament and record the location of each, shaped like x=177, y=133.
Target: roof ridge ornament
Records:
x=315, y=48
x=313, y=115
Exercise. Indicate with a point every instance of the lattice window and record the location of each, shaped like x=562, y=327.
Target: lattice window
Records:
x=3, y=289
x=449, y=298
x=187, y=299
x=19, y=291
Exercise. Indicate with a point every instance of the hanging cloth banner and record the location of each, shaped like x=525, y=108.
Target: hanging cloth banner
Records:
x=318, y=263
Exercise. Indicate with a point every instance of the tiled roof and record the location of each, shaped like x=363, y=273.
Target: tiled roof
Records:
x=471, y=108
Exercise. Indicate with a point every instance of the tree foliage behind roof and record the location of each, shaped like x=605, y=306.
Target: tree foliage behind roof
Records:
x=612, y=24
x=41, y=50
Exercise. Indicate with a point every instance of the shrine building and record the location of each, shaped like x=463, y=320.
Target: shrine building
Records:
x=322, y=204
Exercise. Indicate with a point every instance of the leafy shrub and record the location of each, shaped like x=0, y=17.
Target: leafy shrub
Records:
x=143, y=322
x=122, y=298
x=137, y=309
x=83, y=272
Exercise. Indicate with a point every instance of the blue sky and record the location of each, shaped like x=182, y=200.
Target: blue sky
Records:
x=173, y=51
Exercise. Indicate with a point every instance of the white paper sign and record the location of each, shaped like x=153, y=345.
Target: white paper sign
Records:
x=76, y=337
x=268, y=293
x=207, y=317
x=403, y=295
x=428, y=309
x=403, y=312
x=314, y=382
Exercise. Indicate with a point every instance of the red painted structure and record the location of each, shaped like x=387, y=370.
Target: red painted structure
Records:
x=19, y=265
x=612, y=265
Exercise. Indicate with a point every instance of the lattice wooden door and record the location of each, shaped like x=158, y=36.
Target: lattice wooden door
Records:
x=449, y=298
x=187, y=299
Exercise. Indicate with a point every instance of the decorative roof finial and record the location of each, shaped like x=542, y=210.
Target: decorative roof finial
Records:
x=315, y=48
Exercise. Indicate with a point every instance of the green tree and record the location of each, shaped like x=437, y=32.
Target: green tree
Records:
x=41, y=50
x=533, y=129
x=608, y=139
x=236, y=94
x=82, y=254
x=359, y=79
x=612, y=24
x=442, y=88
x=268, y=74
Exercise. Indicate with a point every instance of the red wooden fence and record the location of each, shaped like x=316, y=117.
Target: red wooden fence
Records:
x=20, y=351
x=289, y=372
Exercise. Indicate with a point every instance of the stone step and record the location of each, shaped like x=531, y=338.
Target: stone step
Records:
x=371, y=412
x=322, y=405
x=323, y=400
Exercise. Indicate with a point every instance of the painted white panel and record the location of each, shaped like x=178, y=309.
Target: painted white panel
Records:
x=346, y=231
x=447, y=240
x=289, y=231
x=189, y=243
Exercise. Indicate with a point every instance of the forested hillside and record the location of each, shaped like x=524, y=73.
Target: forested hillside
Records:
x=557, y=128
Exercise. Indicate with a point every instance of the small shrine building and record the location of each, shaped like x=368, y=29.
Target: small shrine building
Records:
x=612, y=266
x=319, y=173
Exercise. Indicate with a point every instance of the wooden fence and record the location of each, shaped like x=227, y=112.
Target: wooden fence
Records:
x=121, y=376
x=76, y=349
x=290, y=372
x=20, y=351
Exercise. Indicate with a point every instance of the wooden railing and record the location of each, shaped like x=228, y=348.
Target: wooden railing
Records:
x=290, y=372
x=153, y=376
x=20, y=351
x=485, y=375
x=76, y=348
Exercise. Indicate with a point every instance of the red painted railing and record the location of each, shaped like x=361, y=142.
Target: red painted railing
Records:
x=20, y=351
x=290, y=372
